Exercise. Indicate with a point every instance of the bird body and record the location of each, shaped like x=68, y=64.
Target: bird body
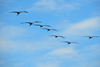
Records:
x=18, y=12
x=91, y=36
x=31, y=22
x=41, y=25
x=49, y=29
x=57, y=36
x=69, y=42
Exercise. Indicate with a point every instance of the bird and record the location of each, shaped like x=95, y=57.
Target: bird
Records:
x=18, y=12
x=49, y=29
x=57, y=36
x=31, y=22
x=41, y=25
x=69, y=42
x=91, y=36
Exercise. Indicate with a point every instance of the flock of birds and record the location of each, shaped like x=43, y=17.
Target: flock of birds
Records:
x=56, y=36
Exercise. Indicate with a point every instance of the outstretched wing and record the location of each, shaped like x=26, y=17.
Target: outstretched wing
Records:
x=52, y=35
x=24, y=11
x=95, y=36
x=47, y=25
x=61, y=36
x=26, y=22
x=14, y=12
x=86, y=36
x=54, y=29
x=37, y=25
x=74, y=42
x=64, y=41
x=44, y=28
x=37, y=22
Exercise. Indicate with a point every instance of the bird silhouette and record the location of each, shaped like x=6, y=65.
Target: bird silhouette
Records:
x=91, y=36
x=49, y=29
x=31, y=22
x=18, y=12
x=57, y=36
x=69, y=42
x=41, y=25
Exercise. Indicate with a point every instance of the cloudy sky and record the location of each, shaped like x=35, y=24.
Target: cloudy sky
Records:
x=22, y=45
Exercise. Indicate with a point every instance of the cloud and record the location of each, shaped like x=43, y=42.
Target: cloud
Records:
x=13, y=38
x=63, y=51
x=47, y=65
x=52, y=5
x=85, y=57
x=12, y=31
x=85, y=27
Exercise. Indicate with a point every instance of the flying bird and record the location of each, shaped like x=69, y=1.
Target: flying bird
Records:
x=91, y=36
x=57, y=36
x=41, y=25
x=18, y=12
x=31, y=22
x=69, y=42
x=49, y=29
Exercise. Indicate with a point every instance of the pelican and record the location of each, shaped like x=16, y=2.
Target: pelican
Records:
x=18, y=12
x=69, y=42
x=31, y=22
x=41, y=25
x=91, y=36
x=49, y=29
x=57, y=36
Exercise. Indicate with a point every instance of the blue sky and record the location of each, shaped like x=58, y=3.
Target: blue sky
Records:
x=22, y=45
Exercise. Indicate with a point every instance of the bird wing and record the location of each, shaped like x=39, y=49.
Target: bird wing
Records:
x=44, y=28
x=52, y=35
x=37, y=25
x=74, y=42
x=14, y=12
x=47, y=25
x=24, y=11
x=37, y=22
x=26, y=22
x=86, y=36
x=54, y=29
x=95, y=36
x=64, y=41
x=61, y=36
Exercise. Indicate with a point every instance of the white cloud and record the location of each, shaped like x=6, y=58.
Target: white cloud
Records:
x=63, y=51
x=13, y=38
x=84, y=57
x=52, y=5
x=47, y=65
x=86, y=27
x=17, y=64
x=12, y=31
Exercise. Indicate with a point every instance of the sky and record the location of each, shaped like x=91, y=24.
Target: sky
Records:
x=22, y=45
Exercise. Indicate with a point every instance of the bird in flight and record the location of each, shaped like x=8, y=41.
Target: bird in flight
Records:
x=91, y=36
x=69, y=42
x=57, y=36
x=41, y=25
x=18, y=12
x=49, y=29
x=31, y=22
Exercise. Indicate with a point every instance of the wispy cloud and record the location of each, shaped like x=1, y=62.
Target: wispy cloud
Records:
x=85, y=27
x=80, y=57
x=9, y=40
x=52, y=5
x=12, y=31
